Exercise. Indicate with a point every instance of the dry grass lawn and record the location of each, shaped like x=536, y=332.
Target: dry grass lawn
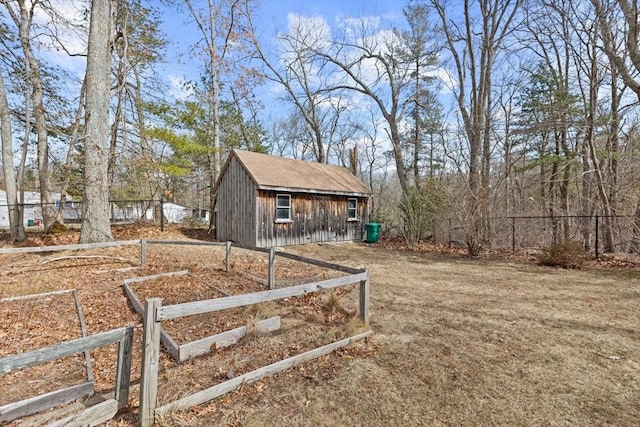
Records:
x=466, y=342
x=456, y=342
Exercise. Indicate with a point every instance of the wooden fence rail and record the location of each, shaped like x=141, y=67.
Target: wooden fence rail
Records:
x=33, y=249
x=124, y=338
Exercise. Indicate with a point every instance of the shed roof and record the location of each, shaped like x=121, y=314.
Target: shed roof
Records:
x=280, y=173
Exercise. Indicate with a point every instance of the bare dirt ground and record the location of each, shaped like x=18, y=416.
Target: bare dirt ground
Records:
x=456, y=342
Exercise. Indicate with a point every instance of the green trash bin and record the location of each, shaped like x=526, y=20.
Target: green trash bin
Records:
x=30, y=223
x=373, y=231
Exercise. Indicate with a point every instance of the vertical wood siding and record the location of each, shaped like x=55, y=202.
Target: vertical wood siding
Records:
x=236, y=206
x=314, y=218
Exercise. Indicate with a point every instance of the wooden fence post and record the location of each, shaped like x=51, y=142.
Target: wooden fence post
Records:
x=150, y=363
x=123, y=370
x=364, y=299
x=143, y=252
x=228, y=256
x=272, y=268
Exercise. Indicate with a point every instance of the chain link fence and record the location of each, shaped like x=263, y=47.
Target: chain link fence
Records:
x=120, y=212
x=523, y=232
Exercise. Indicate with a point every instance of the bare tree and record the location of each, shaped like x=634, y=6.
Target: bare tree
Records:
x=95, y=207
x=474, y=39
x=324, y=114
x=222, y=26
x=16, y=225
x=620, y=32
x=22, y=16
x=366, y=62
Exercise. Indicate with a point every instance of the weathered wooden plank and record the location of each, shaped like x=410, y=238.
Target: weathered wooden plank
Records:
x=225, y=339
x=203, y=346
x=319, y=263
x=123, y=369
x=143, y=252
x=133, y=299
x=44, y=401
x=155, y=276
x=206, y=306
x=220, y=389
x=214, y=287
x=169, y=343
x=268, y=325
x=364, y=299
x=83, y=332
x=150, y=363
x=4, y=251
x=34, y=296
x=92, y=416
x=57, y=351
x=271, y=280
x=249, y=248
x=184, y=243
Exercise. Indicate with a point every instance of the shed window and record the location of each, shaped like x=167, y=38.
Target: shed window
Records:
x=352, y=209
x=283, y=207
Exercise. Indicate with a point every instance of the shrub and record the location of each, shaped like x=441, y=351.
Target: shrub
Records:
x=473, y=247
x=419, y=207
x=57, y=228
x=567, y=254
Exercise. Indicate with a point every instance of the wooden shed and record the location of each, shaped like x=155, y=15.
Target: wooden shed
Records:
x=264, y=201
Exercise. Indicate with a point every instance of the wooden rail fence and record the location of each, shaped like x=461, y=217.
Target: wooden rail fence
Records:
x=154, y=313
x=96, y=414
x=186, y=351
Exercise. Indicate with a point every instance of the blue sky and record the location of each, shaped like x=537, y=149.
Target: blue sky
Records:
x=277, y=10
x=271, y=17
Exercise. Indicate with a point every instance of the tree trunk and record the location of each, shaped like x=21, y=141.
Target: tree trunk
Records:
x=95, y=207
x=16, y=225
x=34, y=79
x=585, y=201
x=111, y=170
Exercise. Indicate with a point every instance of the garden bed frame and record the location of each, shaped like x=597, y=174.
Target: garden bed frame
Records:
x=186, y=351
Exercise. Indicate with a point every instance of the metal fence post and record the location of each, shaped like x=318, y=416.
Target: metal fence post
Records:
x=513, y=234
x=597, y=237
x=161, y=214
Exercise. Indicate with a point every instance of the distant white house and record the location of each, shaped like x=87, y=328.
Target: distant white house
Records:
x=172, y=212
x=32, y=209
x=72, y=211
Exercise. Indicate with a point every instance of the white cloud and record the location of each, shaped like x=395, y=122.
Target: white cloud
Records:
x=62, y=34
x=179, y=88
x=315, y=30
